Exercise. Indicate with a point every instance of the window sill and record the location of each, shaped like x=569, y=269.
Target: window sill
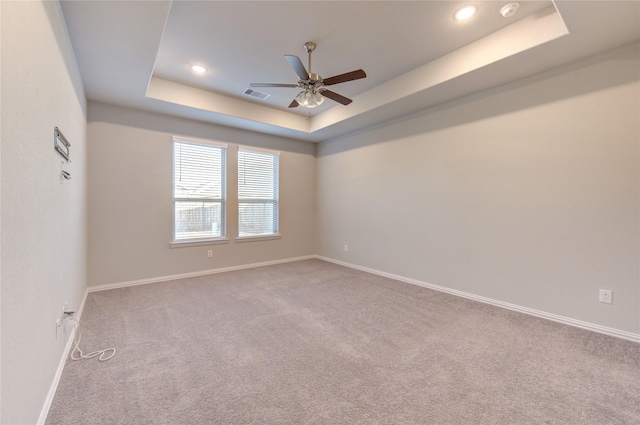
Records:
x=201, y=242
x=257, y=238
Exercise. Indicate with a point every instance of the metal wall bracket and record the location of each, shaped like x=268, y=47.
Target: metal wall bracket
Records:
x=61, y=144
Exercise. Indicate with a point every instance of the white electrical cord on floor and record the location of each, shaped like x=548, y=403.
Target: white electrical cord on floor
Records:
x=76, y=343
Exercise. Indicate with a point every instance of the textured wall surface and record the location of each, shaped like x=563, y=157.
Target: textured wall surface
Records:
x=43, y=221
x=526, y=193
x=130, y=198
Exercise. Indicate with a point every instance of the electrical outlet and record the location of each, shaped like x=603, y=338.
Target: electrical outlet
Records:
x=62, y=315
x=210, y=253
x=60, y=320
x=606, y=296
x=346, y=247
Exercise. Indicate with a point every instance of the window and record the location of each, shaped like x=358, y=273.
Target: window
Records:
x=257, y=192
x=199, y=190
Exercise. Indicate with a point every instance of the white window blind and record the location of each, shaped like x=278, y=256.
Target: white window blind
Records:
x=199, y=190
x=257, y=192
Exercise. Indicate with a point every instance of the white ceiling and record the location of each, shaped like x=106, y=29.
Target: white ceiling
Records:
x=138, y=54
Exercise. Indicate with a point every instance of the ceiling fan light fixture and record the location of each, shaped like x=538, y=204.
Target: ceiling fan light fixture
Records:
x=309, y=98
x=465, y=12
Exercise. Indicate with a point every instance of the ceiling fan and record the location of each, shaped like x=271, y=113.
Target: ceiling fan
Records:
x=313, y=85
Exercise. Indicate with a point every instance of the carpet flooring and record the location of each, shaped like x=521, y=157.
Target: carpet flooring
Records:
x=311, y=342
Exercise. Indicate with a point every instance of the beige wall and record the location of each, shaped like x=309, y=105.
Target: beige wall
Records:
x=43, y=222
x=130, y=204
x=526, y=194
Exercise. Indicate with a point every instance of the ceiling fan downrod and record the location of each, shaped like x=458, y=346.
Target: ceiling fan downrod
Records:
x=309, y=47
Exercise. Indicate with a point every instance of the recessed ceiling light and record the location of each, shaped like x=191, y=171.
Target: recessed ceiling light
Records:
x=198, y=68
x=465, y=12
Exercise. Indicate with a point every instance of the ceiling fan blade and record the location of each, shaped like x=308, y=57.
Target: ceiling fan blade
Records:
x=335, y=96
x=273, y=85
x=294, y=104
x=297, y=66
x=342, y=78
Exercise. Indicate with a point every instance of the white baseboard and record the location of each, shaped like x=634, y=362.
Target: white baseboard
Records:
x=194, y=274
x=63, y=360
x=526, y=310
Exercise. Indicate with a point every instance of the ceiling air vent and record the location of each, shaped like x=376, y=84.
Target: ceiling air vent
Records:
x=255, y=93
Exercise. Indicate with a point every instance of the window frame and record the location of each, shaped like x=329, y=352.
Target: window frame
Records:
x=275, y=201
x=223, y=238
